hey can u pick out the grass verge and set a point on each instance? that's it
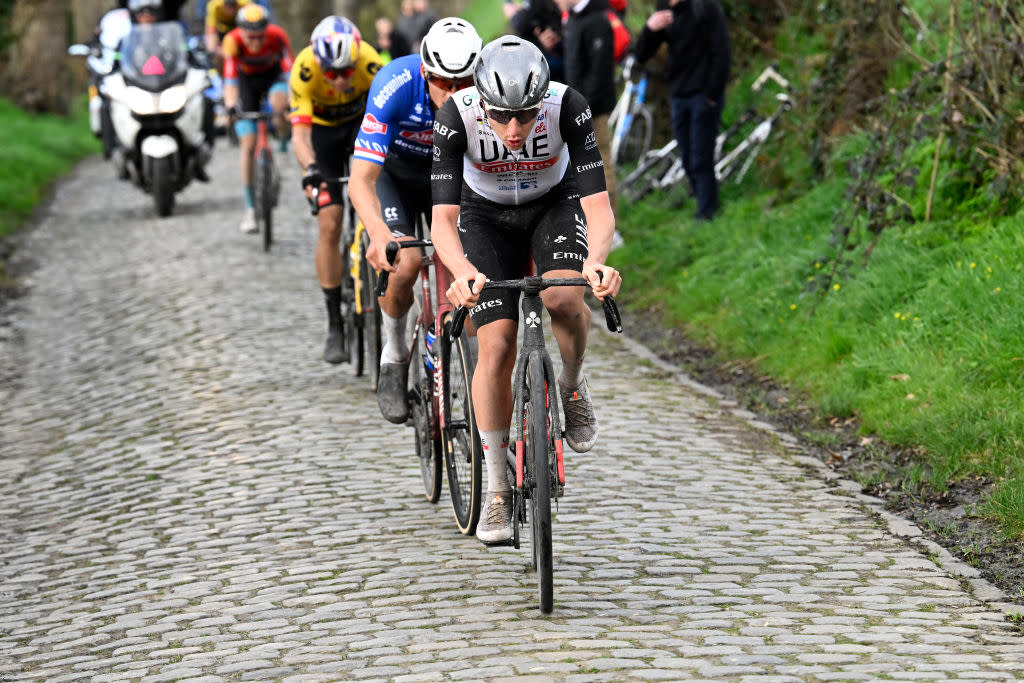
(35, 149)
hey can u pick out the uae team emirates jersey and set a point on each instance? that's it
(561, 141)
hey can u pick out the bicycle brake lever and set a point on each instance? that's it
(458, 320)
(611, 315)
(390, 252)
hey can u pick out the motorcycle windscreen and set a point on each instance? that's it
(155, 56)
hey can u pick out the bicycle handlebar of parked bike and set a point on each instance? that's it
(534, 285)
(391, 252)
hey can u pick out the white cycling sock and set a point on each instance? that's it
(395, 349)
(495, 445)
(571, 374)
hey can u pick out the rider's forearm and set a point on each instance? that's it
(600, 226)
(445, 236)
(211, 42)
(367, 206)
(230, 96)
(302, 143)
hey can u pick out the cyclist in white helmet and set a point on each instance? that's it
(518, 175)
(390, 181)
(329, 83)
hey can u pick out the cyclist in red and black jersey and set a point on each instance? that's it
(517, 174)
(257, 63)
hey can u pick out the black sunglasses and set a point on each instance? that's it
(504, 116)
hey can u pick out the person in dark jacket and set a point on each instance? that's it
(697, 68)
(540, 22)
(588, 47)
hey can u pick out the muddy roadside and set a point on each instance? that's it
(948, 517)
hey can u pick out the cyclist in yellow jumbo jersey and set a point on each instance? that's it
(329, 83)
(220, 20)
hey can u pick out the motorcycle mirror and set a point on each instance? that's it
(79, 50)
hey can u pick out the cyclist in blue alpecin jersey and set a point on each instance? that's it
(390, 178)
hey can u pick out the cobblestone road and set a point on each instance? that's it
(189, 493)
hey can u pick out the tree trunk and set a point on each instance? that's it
(36, 77)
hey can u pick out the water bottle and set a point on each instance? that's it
(429, 359)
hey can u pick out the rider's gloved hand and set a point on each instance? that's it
(465, 291)
(312, 177)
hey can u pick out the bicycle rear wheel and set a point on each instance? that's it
(371, 312)
(265, 205)
(537, 479)
(460, 439)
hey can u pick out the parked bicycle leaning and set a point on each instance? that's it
(511, 140)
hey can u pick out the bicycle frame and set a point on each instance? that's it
(428, 319)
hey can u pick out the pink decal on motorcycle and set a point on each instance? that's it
(153, 67)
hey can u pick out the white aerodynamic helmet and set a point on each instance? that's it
(450, 48)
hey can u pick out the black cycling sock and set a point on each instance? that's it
(332, 297)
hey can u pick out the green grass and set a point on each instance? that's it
(34, 150)
(923, 344)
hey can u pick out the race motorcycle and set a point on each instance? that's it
(156, 111)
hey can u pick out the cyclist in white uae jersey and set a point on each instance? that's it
(517, 174)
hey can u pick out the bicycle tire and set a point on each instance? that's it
(637, 140)
(535, 444)
(353, 327)
(372, 320)
(460, 439)
(266, 191)
(428, 449)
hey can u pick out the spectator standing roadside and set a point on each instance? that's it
(540, 22)
(589, 50)
(390, 43)
(406, 22)
(697, 69)
(423, 19)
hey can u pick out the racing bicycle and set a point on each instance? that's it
(266, 179)
(537, 470)
(441, 369)
(360, 312)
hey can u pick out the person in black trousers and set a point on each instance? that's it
(697, 68)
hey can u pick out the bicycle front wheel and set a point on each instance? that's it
(460, 439)
(637, 141)
(537, 478)
(266, 193)
(371, 312)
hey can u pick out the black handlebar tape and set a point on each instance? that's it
(458, 320)
(390, 252)
(611, 314)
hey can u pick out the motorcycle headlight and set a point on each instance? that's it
(140, 101)
(173, 99)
